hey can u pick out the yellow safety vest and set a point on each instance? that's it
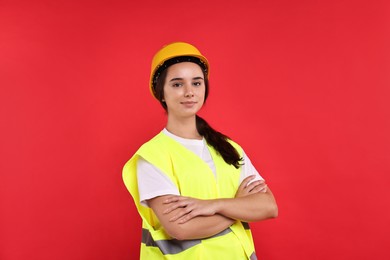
(193, 178)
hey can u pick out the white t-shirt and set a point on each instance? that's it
(153, 183)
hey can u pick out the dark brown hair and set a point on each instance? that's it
(216, 139)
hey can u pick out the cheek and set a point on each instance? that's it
(171, 94)
(167, 94)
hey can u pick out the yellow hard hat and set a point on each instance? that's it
(173, 53)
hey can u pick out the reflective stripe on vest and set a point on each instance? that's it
(193, 178)
(174, 246)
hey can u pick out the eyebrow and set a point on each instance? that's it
(196, 78)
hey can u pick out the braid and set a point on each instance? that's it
(219, 142)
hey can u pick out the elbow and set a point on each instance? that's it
(273, 211)
(272, 208)
(178, 233)
(173, 233)
(269, 212)
(178, 236)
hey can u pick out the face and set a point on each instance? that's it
(184, 89)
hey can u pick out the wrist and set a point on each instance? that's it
(219, 205)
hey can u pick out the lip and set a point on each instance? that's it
(188, 104)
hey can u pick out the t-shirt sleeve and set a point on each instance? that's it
(152, 182)
(248, 169)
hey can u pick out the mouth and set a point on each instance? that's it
(188, 102)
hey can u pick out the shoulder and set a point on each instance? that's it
(156, 144)
(149, 151)
(158, 151)
(146, 148)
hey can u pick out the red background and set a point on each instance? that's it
(303, 86)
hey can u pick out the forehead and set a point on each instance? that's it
(183, 69)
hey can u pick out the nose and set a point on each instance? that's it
(189, 92)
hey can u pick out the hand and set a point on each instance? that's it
(188, 208)
(246, 188)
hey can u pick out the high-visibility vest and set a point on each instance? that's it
(193, 178)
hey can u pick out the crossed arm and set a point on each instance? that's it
(190, 218)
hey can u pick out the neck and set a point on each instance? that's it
(185, 127)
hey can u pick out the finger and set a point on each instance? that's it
(190, 215)
(245, 182)
(186, 218)
(259, 188)
(254, 184)
(171, 199)
(180, 214)
(251, 185)
(248, 179)
(176, 205)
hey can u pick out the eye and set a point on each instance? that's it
(197, 83)
(177, 84)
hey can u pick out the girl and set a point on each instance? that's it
(194, 188)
